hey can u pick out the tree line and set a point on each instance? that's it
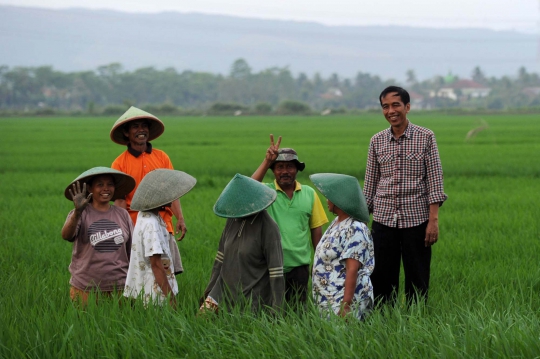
(110, 88)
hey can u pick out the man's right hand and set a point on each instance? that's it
(273, 150)
(271, 155)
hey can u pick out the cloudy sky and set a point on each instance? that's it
(520, 15)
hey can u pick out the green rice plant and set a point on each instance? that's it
(485, 280)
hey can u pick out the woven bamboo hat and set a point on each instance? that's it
(343, 191)
(160, 187)
(133, 113)
(243, 196)
(123, 183)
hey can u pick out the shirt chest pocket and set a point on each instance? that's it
(415, 162)
(386, 163)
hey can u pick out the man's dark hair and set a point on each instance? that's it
(402, 93)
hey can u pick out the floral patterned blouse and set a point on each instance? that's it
(348, 239)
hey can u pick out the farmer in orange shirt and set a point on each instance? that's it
(134, 129)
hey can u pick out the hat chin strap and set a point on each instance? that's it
(244, 222)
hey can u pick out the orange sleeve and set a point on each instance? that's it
(116, 164)
(167, 161)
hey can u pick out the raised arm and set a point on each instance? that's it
(80, 201)
(271, 155)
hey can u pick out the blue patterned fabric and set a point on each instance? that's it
(348, 239)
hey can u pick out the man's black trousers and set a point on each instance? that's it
(392, 244)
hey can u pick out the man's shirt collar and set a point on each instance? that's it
(298, 186)
(407, 134)
(136, 153)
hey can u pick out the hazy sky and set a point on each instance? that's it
(520, 15)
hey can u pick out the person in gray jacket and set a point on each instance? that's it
(248, 268)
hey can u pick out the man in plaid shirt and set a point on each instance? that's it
(404, 190)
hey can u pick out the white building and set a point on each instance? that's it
(462, 88)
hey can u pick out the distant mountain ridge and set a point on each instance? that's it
(80, 39)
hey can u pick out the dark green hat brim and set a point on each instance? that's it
(289, 155)
(299, 165)
(133, 113)
(123, 183)
(242, 197)
(344, 191)
(160, 187)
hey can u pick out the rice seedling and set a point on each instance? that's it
(485, 280)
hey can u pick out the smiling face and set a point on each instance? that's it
(102, 189)
(137, 132)
(285, 173)
(395, 111)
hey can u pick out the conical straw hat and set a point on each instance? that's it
(160, 187)
(242, 197)
(123, 183)
(344, 191)
(134, 113)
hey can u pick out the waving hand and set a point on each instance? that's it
(79, 197)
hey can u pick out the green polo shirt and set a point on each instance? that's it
(295, 218)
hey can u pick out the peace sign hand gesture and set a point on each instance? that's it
(272, 151)
(269, 158)
(79, 197)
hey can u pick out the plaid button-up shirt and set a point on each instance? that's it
(403, 177)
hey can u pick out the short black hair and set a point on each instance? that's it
(402, 93)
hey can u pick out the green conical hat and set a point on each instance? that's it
(123, 183)
(343, 191)
(160, 187)
(242, 197)
(134, 113)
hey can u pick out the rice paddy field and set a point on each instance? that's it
(485, 282)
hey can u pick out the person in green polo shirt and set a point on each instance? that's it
(299, 214)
